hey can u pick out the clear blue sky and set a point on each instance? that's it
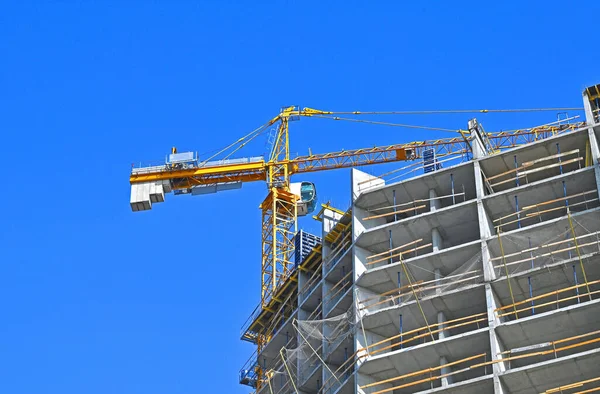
(96, 299)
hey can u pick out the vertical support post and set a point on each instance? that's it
(512, 297)
(394, 196)
(320, 305)
(569, 243)
(529, 281)
(346, 359)
(401, 331)
(577, 288)
(565, 193)
(587, 286)
(452, 183)
(517, 211)
(399, 288)
(531, 295)
(391, 247)
(516, 171)
(559, 158)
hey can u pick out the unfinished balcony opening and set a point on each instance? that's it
(529, 205)
(338, 381)
(438, 190)
(440, 271)
(559, 269)
(309, 278)
(558, 347)
(435, 370)
(552, 375)
(417, 322)
(338, 242)
(418, 236)
(546, 244)
(549, 158)
(338, 295)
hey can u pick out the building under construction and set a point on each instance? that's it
(477, 277)
(481, 277)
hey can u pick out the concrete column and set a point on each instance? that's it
(489, 274)
(448, 379)
(357, 186)
(303, 279)
(434, 203)
(330, 219)
(486, 228)
(359, 261)
(594, 146)
(479, 187)
(496, 348)
(441, 317)
(438, 276)
(491, 303)
(589, 115)
(495, 344)
(476, 142)
(498, 386)
(589, 118)
(436, 240)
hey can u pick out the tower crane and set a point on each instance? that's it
(185, 173)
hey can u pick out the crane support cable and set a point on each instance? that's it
(408, 126)
(251, 135)
(259, 132)
(312, 112)
(557, 122)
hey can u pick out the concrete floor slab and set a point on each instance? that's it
(481, 385)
